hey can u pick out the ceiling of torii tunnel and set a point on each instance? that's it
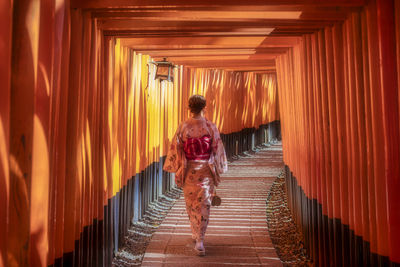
(232, 35)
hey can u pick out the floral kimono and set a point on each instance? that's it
(197, 156)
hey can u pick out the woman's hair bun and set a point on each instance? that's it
(197, 103)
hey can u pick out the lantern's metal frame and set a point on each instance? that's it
(164, 63)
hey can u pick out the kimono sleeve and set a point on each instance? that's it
(218, 149)
(174, 159)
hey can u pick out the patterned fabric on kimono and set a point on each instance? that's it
(197, 155)
(198, 189)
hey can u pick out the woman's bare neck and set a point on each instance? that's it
(197, 116)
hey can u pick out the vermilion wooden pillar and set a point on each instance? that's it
(397, 18)
(73, 193)
(25, 40)
(390, 101)
(40, 181)
(59, 135)
(5, 72)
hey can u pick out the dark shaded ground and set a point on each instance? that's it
(283, 231)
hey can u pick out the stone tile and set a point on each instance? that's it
(271, 263)
(152, 263)
(228, 240)
(153, 258)
(181, 240)
(156, 247)
(158, 237)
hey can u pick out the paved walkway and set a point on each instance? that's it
(237, 234)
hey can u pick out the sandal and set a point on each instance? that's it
(199, 252)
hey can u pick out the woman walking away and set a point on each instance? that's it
(197, 156)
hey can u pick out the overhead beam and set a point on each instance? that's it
(187, 33)
(211, 3)
(184, 56)
(138, 26)
(206, 15)
(104, 12)
(208, 42)
(228, 63)
(211, 51)
(200, 58)
(246, 69)
(224, 15)
(175, 54)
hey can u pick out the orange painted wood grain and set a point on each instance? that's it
(349, 86)
(5, 75)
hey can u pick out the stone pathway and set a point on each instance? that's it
(237, 234)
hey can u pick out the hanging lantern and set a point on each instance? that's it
(165, 70)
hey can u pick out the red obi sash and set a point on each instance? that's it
(198, 148)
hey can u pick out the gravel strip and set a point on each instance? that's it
(286, 237)
(139, 233)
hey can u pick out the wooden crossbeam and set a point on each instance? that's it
(180, 3)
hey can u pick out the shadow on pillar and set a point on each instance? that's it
(249, 138)
(329, 242)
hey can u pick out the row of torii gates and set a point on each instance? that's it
(84, 126)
